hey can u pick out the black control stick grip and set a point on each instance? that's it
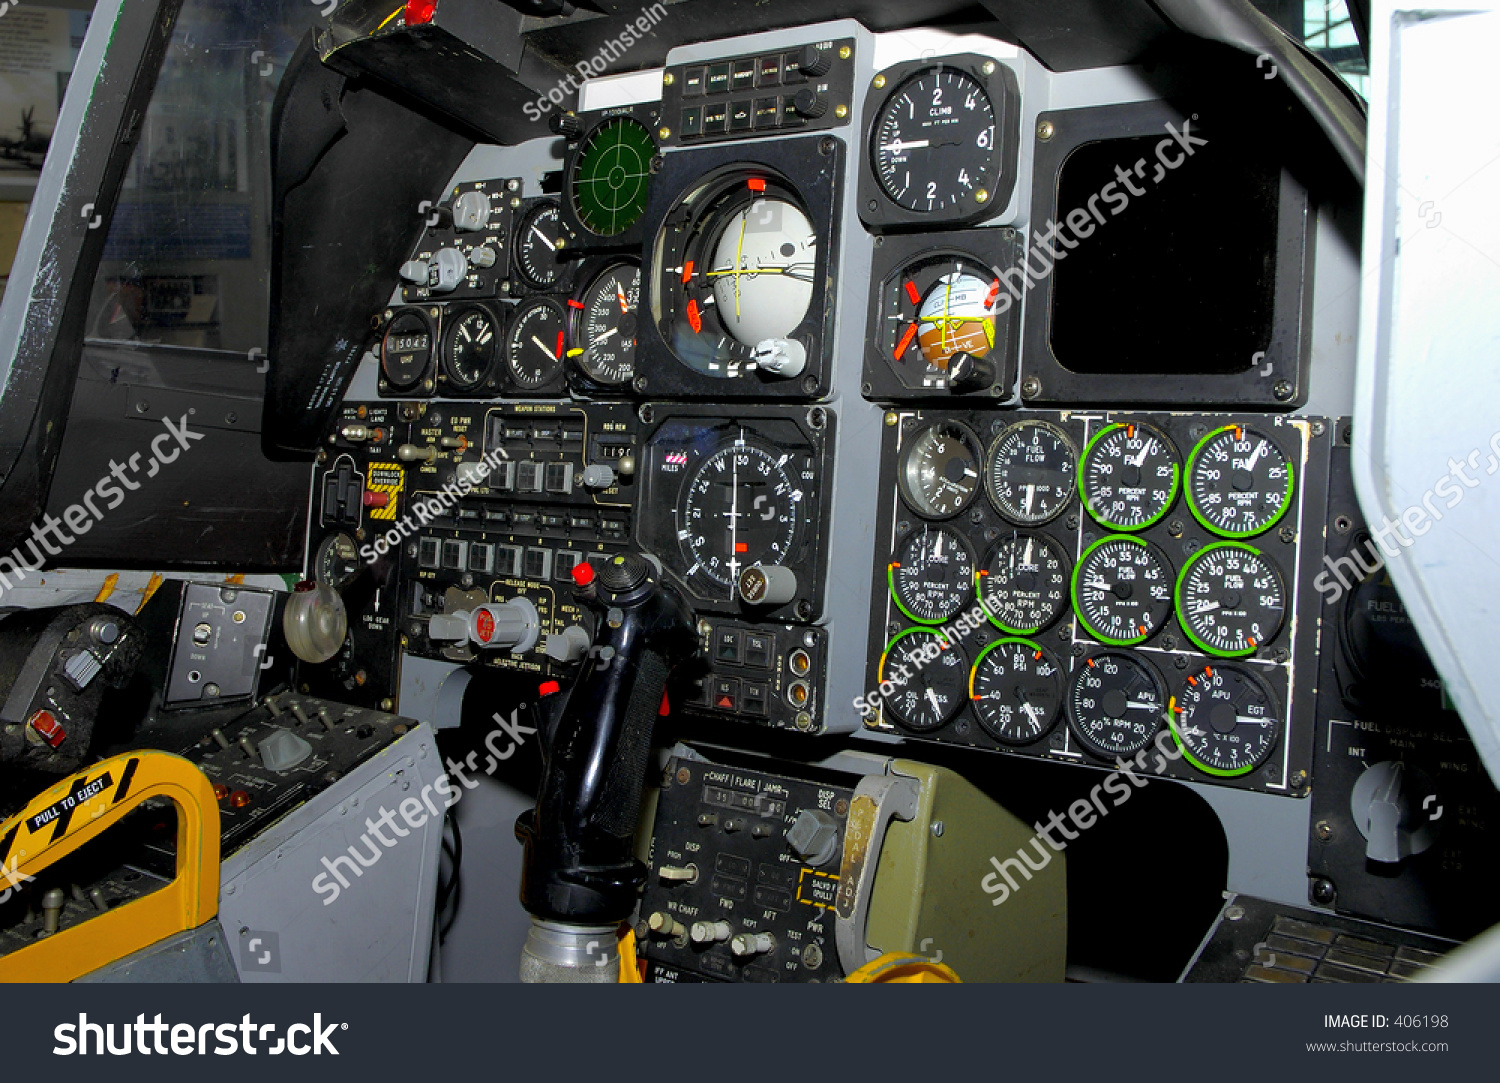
(579, 865)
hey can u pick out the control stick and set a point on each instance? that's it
(580, 875)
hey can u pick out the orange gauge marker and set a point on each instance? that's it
(911, 291)
(756, 184)
(911, 333)
(695, 318)
(687, 272)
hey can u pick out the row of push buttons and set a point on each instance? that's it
(741, 115)
(747, 73)
(501, 560)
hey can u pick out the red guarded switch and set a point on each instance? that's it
(372, 499)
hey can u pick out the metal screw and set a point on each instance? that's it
(231, 418)
(988, 67)
(1234, 913)
(1281, 655)
(982, 196)
(841, 111)
(1045, 130)
(1180, 662)
(1318, 428)
(1169, 642)
(668, 79)
(387, 706)
(845, 53)
(684, 776)
(1288, 534)
(879, 81)
(664, 133)
(1323, 891)
(1283, 390)
(1298, 779)
(1343, 524)
(1324, 830)
(1031, 387)
(937, 829)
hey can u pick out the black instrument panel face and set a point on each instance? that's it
(1050, 592)
(941, 143)
(732, 492)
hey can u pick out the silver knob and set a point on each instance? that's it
(471, 212)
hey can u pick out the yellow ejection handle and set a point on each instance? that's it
(81, 808)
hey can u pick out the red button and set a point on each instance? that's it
(376, 500)
(583, 573)
(549, 688)
(484, 626)
(48, 728)
(666, 708)
(420, 12)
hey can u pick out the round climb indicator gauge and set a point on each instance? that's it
(933, 144)
(611, 176)
(1225, 720)
(1231, 599)
(1129, 476)
(1239, 482)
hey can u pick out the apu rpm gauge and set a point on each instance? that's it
(1115, 704)
(1122, 590)
(933, 146)
(937, 685)
(938, 306)
(1016, 691)
(1225, 720)
(1231, 599)
(932, 576)
(605, 324)
(742, 506)
(1239, 482)
(1129, 476)
(733, 269)
(1030, 471)
(939, 470)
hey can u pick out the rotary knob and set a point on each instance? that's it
(767, 584)
(813, 61)
(566, 125)
(809, 103)
(813, 837)
(969, 373)
(471, 212)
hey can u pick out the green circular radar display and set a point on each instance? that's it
(612, 176)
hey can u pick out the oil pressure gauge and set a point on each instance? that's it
(1239, 482)
(1016, 690)
(1225, 720)
(936, 689)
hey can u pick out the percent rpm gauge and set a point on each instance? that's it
(1122, 590)
(1115, 704)
(1231, 599)
(1239, 482)
(1016, 691)
(939, 471)
(937, 682)
(936, 308)
(1225, 720)
(1129, 476)
(932, 576)
(1030, 472)
(933, 144)
(1024, 587)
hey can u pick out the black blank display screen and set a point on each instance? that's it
(1181, 280)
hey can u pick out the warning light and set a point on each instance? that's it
(420, 12)
(239, 799)
(46, 726)
(666, 706)
(756, 184)
(221, 791)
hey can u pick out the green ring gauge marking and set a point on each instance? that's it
(1230, 490)
(612, 176)
(1127, 580)
(1237, 611)
(1225, 720)
(935, 572)
(1108, 461)
(936, 693)
(1016, 691)
(1026, 580)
